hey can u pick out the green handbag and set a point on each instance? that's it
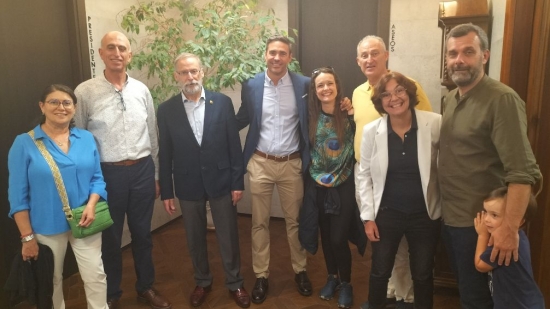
(101, 222)
(102, 218)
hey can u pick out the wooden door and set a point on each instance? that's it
(40, 46)
(328, 32)
(526, 68)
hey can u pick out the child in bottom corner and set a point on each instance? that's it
(511, 286)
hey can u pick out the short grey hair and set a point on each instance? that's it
(464, 29)
(371, 37)
(185, 56)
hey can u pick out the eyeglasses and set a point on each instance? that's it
(399, 92)
(56, 103)
(121, 100)
(193, 72)
(321, 69)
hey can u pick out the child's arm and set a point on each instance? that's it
(482, 241)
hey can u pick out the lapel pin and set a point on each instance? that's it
(211, 102)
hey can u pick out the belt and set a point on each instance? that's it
(291, 156)
(125, 162)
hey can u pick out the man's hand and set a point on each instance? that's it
(157, 189)
(346, 105)
(505, 242)
(371, 229)
(169, 206)
(480, 226)
(236, 196)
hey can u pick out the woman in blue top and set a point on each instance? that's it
(34, 200)
(331, 135)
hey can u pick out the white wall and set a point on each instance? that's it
(415, 44)
(497, 37)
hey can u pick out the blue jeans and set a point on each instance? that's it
(472, 285)
(422, 234)
(130, 193)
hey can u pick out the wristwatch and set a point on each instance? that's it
(27, 238)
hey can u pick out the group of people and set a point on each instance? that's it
(381, 167)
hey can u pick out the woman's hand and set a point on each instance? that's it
(30, 250)
(372, 231)
(88, 215)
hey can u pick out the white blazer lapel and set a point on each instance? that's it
(424, 145)
(381, 147)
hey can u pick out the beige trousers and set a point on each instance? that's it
(264, 174)
(88, 256)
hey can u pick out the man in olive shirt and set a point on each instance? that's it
(372, 58)
(484, 146)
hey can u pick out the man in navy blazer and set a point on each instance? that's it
(200, 156)
(276, 152)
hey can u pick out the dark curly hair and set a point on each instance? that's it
(401, 80)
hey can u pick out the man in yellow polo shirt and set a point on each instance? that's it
(372, 58)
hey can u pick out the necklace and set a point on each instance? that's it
(60, 143)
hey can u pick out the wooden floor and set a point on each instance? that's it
(174, 274)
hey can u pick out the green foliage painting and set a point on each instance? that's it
(229, 38)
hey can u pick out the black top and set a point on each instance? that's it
(403, 188)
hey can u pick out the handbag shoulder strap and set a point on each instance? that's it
(56, 175)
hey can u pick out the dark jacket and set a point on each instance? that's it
(215, 167)
(32, 280)
(308, 233)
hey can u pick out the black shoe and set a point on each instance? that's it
(259, 293)
(304, 285)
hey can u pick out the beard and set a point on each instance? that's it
(463, 75)
(192, 88)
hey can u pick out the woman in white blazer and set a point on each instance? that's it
(397, 188)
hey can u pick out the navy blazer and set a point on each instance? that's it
(215, 167)
(252, 95)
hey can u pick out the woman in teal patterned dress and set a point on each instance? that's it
(331, 133)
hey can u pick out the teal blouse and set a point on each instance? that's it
(331, 163)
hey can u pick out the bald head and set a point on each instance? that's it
(115, 36)
(115, 51)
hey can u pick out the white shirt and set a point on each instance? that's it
(279, 131)
(123, 122)
(195, 114)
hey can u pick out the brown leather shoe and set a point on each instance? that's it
(112, 303)
(241, 297)
(199, 295)
(153, 298)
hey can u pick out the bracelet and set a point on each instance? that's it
(27, 238)
(25, 235)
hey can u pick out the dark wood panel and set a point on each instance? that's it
(327, 39)
(526, 68)
(38, 42)
(538, 114)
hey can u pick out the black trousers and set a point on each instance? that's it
(335, 230)
(131, 194)
(422, 234)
